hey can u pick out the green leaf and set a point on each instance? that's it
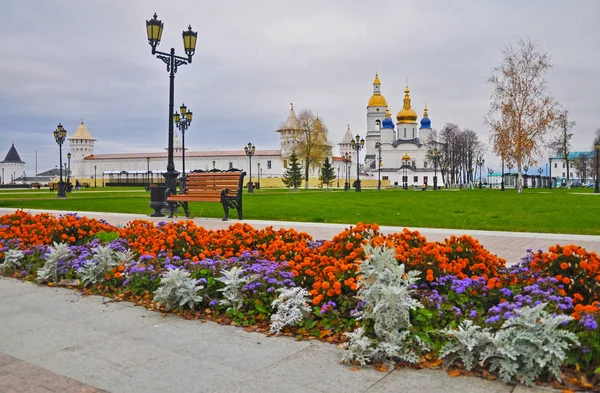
(260, 307)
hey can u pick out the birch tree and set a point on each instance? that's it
(521, 110)
(310, 142)
(561, 144)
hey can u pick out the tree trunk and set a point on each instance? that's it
(568, 183)
(306, 175)
(519, 180)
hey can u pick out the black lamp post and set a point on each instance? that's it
(357, 144)
(502, 182)
(435, 155)
(540, 170)
(347, 159)
(550, 179)
(258, 182)
(526, 169)
(214, 163)
(490, 171)
(378, 147)
(95, 177)
(154, 29)
(250, 150)
(480, 162)
(183, 122)
(147, 173)
(69, 172)
(60, 134)
(405, 164)
(596, 186)
(338, 177)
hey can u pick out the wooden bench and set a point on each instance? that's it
(85, 185)
(35, 185)
(211, 186)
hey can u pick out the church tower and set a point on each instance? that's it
(81, 144)
(406, 128)
(425, 129)
(388, 135)
(12, 166)
(346, 144)
(375, 115)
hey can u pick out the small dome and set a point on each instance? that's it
(387, 123)
(406, 157)
(82, 133)
(407, 116)
(377, 100)
(425, 123)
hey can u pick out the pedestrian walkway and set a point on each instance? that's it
(56, 340)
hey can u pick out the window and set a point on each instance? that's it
(416, 179)
(563, 175)
(571, 175)
(414, 164)
(414, 130)
(284, 163)
(385, 178)
(563, 164)
(405, 132)
(555, 165)
(230, 165)
(425, 164)
(377, 125)
(425, 179)
(269, 164)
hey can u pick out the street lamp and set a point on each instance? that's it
(540, 170)
(526, 169)
(435, 155)
(69, 172)
(147, 173)
(60, 134)
(347, 159)
(480, 162)
(357, 144)
(490, 171)
(550, 177)
(250, 150)
(183, 122)
(338, 177)
(378, 147)
(154, 29)
(596, 187)
(405, 164)
(258, 182)
(214, 163)
(95, 177)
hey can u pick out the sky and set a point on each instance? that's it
(67, 60)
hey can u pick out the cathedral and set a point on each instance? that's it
(401, 149)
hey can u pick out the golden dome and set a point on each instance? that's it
(377, 100)
(388, 114)
(376, 81)
(405, 157)
(407, 115)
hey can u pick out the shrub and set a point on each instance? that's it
(177, 289)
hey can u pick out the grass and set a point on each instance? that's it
(536, 210)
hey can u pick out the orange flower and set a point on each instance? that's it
(564, 266)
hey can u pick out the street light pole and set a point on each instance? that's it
(435, 156)
(250, 150)
(183, 122)
(95, 177)
(405, 163)
(69, 172)
(154, 29)
(550, 179)
(480, 162)
(357, 144)
(596, 186)
(490, 171)
(147, 173)
(378, 147)
(60, 134)
(258, 182)
(214, 163)
(347, 159)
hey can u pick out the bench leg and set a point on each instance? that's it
(172, 206)
(226, 210)
(186, 209)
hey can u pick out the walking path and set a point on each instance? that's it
(56, 340)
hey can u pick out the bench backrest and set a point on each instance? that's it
(211, 183)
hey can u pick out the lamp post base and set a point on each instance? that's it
(250, 188)
(435, 187)
(346, 186)
(61, 190)
(357, 185)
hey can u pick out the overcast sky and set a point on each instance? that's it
(69, 59)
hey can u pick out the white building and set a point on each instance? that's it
(12, 166)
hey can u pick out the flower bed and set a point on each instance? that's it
(427, 300)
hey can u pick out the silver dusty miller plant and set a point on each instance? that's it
(292, 306)
(530, 344)
(177, 289)
(386, 294)
(12, 260)
(104, 259)
(466, 343)
(58, 252)
(234, 281)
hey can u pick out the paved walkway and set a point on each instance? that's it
(55, 340)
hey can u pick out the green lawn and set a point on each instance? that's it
(536, 210)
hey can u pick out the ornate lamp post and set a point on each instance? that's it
(480, 162)
(69, 172)
(378, 147)
(405, 164)
(490, 171)
(338, 177)
(258, 182)
(526, 169)
(435, 155)
(550, 179)
(250, 150)
(95, 177)
(347, 159)
(183, 122)
(60, 134)
(154, 29)
(214, 163)
(148, 173)
(540, 170)
(357, 144)
(596, 186)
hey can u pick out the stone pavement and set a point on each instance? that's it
(56, 340)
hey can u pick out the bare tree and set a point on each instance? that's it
(310, 142)
(583, 165)
(521, 111)
(561, 144)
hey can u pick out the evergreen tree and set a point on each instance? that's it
(293, 174)
(327, 173)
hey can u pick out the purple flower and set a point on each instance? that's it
(473, 314)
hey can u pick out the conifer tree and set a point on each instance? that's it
(293, 174)
(327, 173)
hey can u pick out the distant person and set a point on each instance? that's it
(77, 185)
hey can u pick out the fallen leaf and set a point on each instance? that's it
(354, 368)
(567, 391)
(454, 373)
